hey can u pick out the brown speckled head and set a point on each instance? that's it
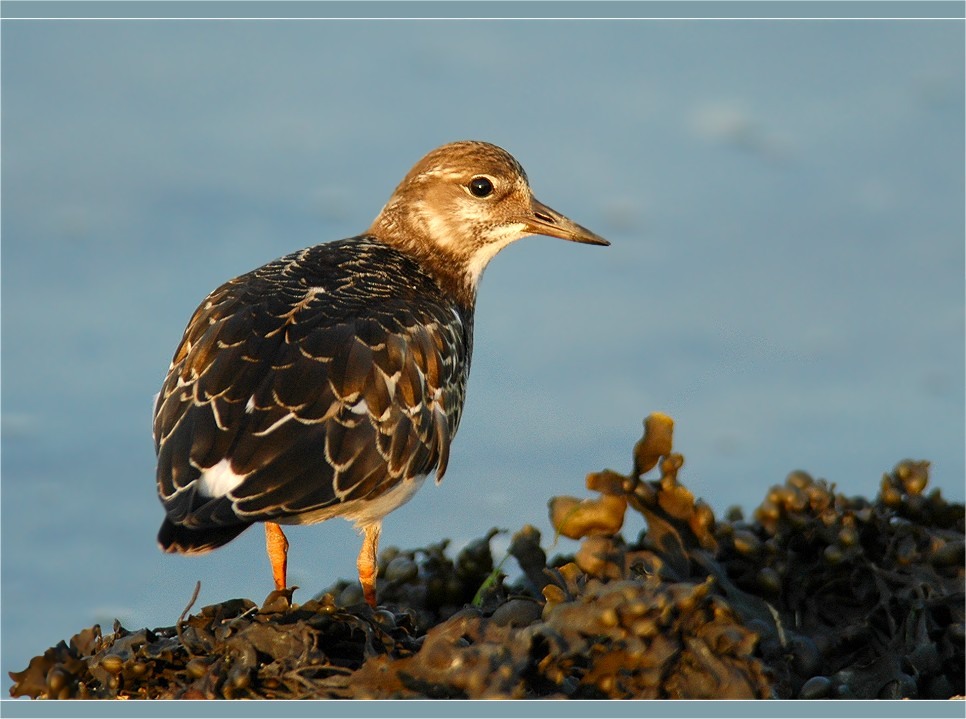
(463, 203)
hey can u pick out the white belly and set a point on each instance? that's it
(363, 512)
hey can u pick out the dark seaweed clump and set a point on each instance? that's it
(817, 595)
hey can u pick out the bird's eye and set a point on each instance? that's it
(481, 187)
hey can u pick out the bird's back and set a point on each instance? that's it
(330, 375)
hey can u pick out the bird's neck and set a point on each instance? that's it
(446, 261)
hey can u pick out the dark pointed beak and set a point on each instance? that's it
(549, 222)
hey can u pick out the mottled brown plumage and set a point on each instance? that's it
(330, 382)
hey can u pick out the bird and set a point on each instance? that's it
(330, 382)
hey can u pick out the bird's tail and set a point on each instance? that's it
(184, 540)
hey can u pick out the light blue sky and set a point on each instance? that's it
(784, 199)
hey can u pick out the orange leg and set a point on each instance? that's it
(367, 563)
(277, 546)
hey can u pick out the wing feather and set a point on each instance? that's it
(318, 385)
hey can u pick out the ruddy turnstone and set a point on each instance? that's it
(330, 382)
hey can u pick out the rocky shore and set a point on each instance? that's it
(816, 595)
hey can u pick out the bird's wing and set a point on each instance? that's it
(276, 404)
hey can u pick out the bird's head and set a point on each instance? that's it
(464, 202)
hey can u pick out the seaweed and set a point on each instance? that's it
(817, 595)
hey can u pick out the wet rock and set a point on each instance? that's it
(517, 613)
(817, 687)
